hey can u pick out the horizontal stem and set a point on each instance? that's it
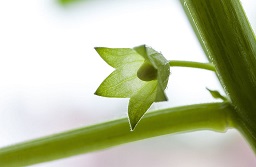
(211, 116)
(178, 63)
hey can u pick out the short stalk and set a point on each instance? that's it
(191, 64)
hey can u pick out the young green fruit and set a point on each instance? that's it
(147, 72)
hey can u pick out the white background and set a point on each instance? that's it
(49, 72)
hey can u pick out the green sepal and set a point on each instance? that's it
(140, 102)
(117, 57)
(140, 74)
(161, 64)
(216, 94)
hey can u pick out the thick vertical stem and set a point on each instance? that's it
(229, 42)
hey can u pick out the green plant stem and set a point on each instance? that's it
(211, 116)
(178, 63)
(229, 42)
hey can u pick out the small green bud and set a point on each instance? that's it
(147, 72)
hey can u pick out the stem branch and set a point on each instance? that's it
(211, 116)
(178, 63)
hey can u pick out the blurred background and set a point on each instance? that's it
(49, 71)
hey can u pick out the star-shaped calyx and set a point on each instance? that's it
(141, 74)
